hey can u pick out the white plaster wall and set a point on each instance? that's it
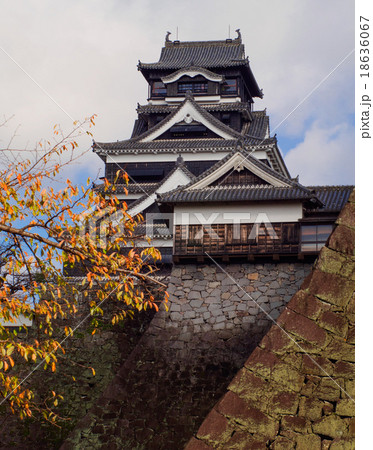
(195, 214)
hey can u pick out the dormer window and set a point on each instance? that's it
(158, 89)
(194, 86)
(229, 87)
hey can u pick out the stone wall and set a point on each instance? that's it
(188, 355)
(296, 390)
(222, 312)
(74, 379)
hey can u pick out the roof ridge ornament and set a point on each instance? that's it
(239, 36)
(168, 36)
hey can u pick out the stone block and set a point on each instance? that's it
(253, 276)
(196, 444)
(339, 349)
(344, 369)
(331, 288)
(221, 319)
(296, 423)
(174, 307)
(212, 300)
(229, 308)
(176, 316)
(254, 420)
(216, 312)
(215, 428)
(303, 327)
(310, 408)
(329, 389)
(342, 444)
(317, 365)
(176, 272)
(197, 321)
(196, 303)
(308, 442)
(275, 313)
(194, 295)
(243, 440)
(333, 322)
(332, 426)
(248, 319)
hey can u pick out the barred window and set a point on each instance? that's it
(229, 86)
(195, 87)
(158, 89)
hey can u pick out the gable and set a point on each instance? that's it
(237, 163)
(189, 113)
(240, 177)
(183, 130)
(192, 72)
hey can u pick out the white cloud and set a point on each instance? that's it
(324, 157)
(84, 54)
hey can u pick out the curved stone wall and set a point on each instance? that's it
(188, 355)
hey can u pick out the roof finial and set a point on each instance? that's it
(168, 36)
(238, 34)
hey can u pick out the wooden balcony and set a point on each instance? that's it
(244, 240)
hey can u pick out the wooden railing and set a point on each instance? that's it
(243, 239)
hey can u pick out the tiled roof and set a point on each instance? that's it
(333, 197)
(162, 109)
(178, 166)
(154, 230)
(258, 127)
(139, 127)
(209, 117)
(207, 54)
(235, 194)
(246, 154)
(132, 188)
(293, 191)
(176, 145)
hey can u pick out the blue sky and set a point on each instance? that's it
(83, 55)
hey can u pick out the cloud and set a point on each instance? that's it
(325, 156)
(85, 53)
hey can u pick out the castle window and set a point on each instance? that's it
(314, 237)
(229, 86)
(158, 89)
(195, 87)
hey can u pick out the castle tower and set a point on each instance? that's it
(204, 169)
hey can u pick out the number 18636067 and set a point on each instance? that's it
(364, 47)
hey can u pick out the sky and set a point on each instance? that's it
(63, 61)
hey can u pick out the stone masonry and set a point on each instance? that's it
(188, 355)
(296, 390)
(227, 307)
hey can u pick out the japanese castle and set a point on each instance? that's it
(204, 170)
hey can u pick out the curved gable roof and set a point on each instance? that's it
(192, 72)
